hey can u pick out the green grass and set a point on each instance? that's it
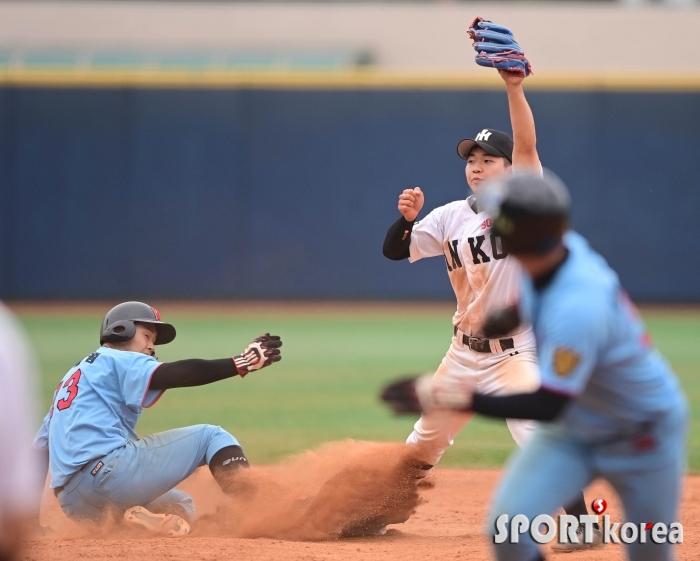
(326, 386)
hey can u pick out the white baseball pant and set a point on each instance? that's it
(498, 373)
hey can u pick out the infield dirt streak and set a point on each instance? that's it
(448, 526)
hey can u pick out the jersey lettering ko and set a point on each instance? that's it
(95, 409)
(484, 278)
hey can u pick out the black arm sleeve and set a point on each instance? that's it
(192, 372)
(398, 240)
(538, 406)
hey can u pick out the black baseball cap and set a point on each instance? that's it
(495, 142)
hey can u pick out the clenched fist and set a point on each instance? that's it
(410, 203)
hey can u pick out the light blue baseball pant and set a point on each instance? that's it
(552, 469)
(143, 472)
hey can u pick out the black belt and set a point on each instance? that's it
(481, 345)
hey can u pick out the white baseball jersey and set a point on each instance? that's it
(19, 473)
(484, 278)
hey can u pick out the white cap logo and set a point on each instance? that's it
(483, 135)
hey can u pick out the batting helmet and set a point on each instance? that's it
(530, 212)
(119, 324)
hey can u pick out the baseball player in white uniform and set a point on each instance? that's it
(483, 276)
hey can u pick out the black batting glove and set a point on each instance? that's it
(262, 352)
(401, 396)
(427, 393)
(501, 323)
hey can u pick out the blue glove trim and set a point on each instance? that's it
(495, 27)
(493, 37)
(496, 48)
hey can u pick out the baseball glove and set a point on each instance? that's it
(496, 47)
(501, 322)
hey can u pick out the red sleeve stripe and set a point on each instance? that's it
(148, 387)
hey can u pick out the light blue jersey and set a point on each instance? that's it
(625, 421)
(592, 346)
(95, 409)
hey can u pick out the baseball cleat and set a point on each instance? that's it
(163, 524)
(570, 547)
(361, 530)
(373, 526)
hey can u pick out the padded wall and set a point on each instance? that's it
(287, 193)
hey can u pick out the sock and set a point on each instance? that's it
(224, 466)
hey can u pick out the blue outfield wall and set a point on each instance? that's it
(287, 193)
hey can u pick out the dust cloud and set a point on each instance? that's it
(342, 489)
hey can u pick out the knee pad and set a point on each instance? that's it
(229, 458)
(225, 465)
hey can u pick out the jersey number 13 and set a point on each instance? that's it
(71, 384)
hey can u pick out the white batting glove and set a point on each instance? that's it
(262, 352)
(444, 393)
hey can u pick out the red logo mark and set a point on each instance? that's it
(155, 313)
(644, 443)
(486, 224)
(648, 526)
(599, 506)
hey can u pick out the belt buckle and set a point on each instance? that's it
(479, 344)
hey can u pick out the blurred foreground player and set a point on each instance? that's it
(97, 462)
(615, 407)
(19, 473)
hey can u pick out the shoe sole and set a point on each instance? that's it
(163, 524)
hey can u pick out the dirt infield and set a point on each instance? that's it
(447, 525)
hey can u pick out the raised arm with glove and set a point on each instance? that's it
(496, 47)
